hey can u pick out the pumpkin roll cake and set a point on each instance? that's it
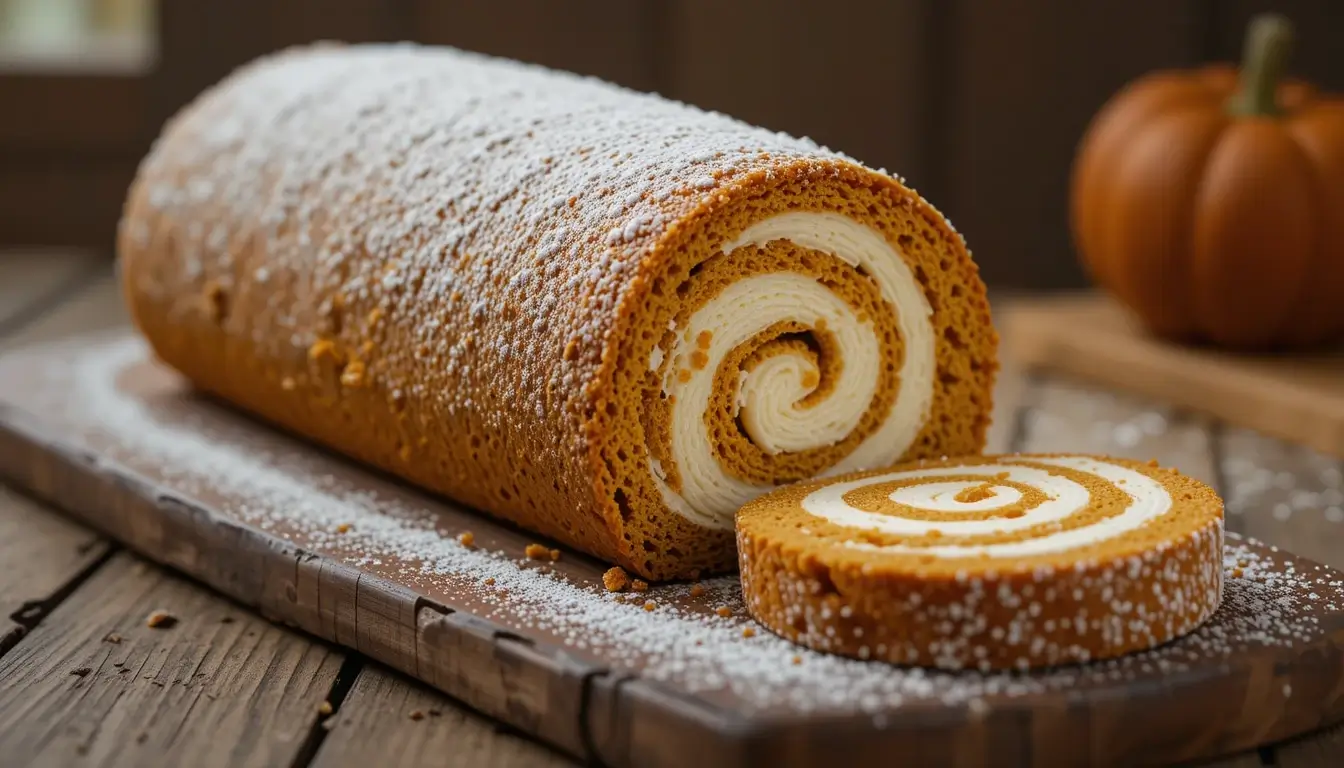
(993, 562)
(601, 315)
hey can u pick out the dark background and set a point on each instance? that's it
(978, 103)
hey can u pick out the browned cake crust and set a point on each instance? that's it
(485, 278)
(1015, 561)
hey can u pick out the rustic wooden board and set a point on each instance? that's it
(42, 558)
(1298, 398)
(99, 430)
(94, 684)
(389, 720)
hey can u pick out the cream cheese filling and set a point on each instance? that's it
(769, 395)
(1149, 500)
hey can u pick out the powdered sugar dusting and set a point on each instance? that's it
(105, 397)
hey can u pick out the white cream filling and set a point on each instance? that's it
(943, 496)
(1148, 500)
(769, 395)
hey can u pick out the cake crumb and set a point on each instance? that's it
(113, 638)
(160, 619)
(489, 581)
(324, 348)
(615, 579)
(724, 611)
(974, 493)
(466, 539)
(748, 632)
(343, 528)
(324, 708)
(639, 585)
(353, 375)
(537, 552)
(697, 590)
(417, 715)
(649, 605)
(797, 660)
(554, 554)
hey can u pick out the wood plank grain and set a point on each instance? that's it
(1298, 397)
(611, 39)
(42, 557)
(94, 685)
(1285, 494)
(388, 719)
(31, 279)
(856, 78)
(1023, 79)
(95, 305)
(201, 42)
(529, 684)
(40, 116)
(74, 203)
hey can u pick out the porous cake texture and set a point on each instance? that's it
(602, 315)
(995, 562)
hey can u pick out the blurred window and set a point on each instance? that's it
(114, 36)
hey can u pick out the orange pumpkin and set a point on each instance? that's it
(1211, 202)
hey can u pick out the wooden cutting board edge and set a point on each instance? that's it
(1080, 336)
(589, 711)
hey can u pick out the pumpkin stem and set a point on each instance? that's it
(1269, 39)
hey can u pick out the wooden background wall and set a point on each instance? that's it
(979, 103)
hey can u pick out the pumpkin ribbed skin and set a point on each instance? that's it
(1215, 227)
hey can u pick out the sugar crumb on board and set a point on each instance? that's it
(284, 488)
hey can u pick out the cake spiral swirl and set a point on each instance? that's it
(604, 316)
(778, 396)
(1010, 561)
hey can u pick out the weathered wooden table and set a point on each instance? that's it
(84, 680)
